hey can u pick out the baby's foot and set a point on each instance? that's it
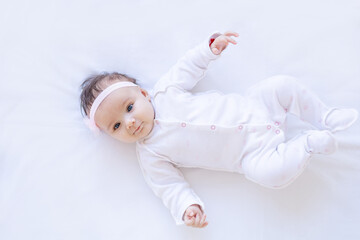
(320, 142)
(340, 119)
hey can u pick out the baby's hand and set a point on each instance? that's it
(194, 217)
(222, 41)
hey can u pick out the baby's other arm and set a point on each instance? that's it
(190, 69)
(194, 217)
(168, 183)
(219, 44)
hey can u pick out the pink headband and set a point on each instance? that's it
(90, 122)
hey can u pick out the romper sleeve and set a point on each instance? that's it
(190, 69)
(168, 183)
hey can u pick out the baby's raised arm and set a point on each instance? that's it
(191, 68)
(168, 183)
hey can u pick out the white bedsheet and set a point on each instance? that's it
(58, 181)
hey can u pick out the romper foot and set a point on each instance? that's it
(320, 142)
(338, 119)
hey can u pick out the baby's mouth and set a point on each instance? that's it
(137, 129)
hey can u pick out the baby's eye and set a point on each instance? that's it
(129, 107)
(116, 126)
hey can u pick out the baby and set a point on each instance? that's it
(175, 128)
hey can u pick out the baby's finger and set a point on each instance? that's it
(191, 214)
(229, 39)
(203, 219)
(231, 34)
(197, 220)
(205, 224)
(189, 221)
(215, 50)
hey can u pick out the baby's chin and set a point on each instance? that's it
(132, 140)
(129, 141)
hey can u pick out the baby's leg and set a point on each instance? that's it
(279, 167)
(283, 94)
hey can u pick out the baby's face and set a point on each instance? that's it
(126, 114)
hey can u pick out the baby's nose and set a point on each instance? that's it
(130, 123)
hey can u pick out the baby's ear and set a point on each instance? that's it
(145, 93)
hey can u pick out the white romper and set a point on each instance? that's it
(230, 132)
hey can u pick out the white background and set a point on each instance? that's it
(58, 181)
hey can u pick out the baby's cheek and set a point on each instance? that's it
(116, 136)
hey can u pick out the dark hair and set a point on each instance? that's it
(94, 85)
